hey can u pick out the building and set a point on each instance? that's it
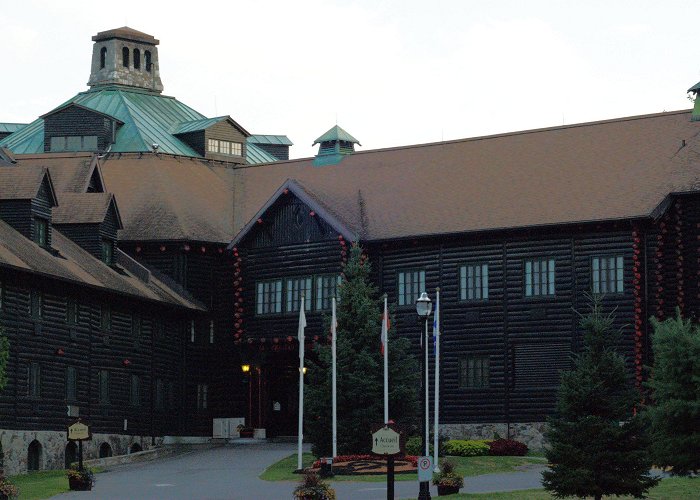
(514, 228)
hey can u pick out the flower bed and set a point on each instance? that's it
(346, 465)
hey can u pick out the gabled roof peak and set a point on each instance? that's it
(336, 133)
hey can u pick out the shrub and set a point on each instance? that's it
(413, 445)
(508, 448)
(8, 489)
(447, 476)
(312, 487)
(464, 448)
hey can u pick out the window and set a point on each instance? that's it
(192, 332)
(236, 148)
(202, 394)
(107, 251)
(73, 143)
(296, 289)
(135, 325)
(158, 328)
(103, 57)
(224, 147)
(103, 386)
(269, 297)
(411, 284)
(41, 231)
(211, 331)
(105, 317)
(125, 57)
(71, 311)
(213, 145)
(326, 289)
(474, 282)
(135, 391)
(160, 399)
(539, 277)
(147, 57)
(71, 384)
(607, 274)
(36, 304)
(137, 59)
(34, 380)
(474, 371)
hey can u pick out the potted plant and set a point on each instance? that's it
(80, 480)
(7, 489)
(245, 432)
(448, 482)
(313, 487)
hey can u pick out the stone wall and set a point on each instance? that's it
(15, 445)
(531, 433)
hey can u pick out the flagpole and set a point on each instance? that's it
(436, 336)
(335, 396)
(385, 339)
(300, 432)
(427, 394)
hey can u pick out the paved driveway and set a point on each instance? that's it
(231, 472)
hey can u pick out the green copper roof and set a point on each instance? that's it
(254, 155)
(695, 88)
(148, 118)
(281, 140)
(11, 127)
(336, 133)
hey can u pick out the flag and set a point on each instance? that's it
(385, 330)
(302, 322)
(436, 321)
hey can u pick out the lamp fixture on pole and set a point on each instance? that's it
(424, 307)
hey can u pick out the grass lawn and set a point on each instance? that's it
(467, 466)
(42, 484)
(668, 489)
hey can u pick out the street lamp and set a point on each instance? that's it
(245, 368)
(424, 307)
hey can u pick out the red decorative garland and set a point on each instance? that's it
(637, 290)
(660, 239)
(680, 294)
(238, 302)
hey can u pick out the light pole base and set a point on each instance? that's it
(424, 493)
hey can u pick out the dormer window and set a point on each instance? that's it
(137, 59)
(224, 147)
(41, 231)
(107, 251)
(103, 57)
(147, 57)
(125, 57)
(73, 143)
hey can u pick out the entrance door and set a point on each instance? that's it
(282, 384)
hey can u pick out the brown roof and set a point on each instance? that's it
(125, 33)
(21, 183)
(614, 169)
(82, 208)
(76, 265)
(70, 172)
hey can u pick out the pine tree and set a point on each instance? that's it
(674, 417)
(597, 444)
(359, 370)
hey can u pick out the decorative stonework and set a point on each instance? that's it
(530, 433)
(15, 445)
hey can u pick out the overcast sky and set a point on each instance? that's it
(390, 72)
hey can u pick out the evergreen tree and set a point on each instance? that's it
(360, 370)
(674, 417)
(597, 444)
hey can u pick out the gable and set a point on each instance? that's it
(111, 223)
(95, 184)
(289, 221)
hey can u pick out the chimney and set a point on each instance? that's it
(335, 144)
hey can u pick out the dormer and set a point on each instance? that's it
(219, 138)
(275, 145)
(76, 128)
(124, 56)
(91, 220)
(335, 144)
(27, 198)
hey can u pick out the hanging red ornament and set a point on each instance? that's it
(312, 213)
(260, 221)
(162, 248)
(138, 249)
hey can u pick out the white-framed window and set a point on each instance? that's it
(411, 284)
(193, 335)
(474, 371)
(211, 331)
(213, 145)
(296, 289)
(474, 282)
(326, 289)
(539, 277)
(268, 297)
(607, 274)
(236, 148)
(224, 147)
(202, 396)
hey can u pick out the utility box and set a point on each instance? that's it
(226, 428)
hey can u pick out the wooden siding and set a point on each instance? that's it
(18, 214)
(56, 345)
(279, 151)
(76, 121)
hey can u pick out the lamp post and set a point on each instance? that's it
(245, 368)
(424, 307)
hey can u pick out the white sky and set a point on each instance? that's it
(392, 72)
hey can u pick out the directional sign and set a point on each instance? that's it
(425, 469)
(78, 432)
(386, 442)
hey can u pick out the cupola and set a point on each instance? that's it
(124, 56)
(335, 144)
(695, 89)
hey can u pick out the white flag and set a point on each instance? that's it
(302, 322)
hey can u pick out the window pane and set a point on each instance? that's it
(528, 278)
(485, 281)
(551, 277)
(619, 278)
(470, 282)
(402, 289)
(74, 143)
(463, 283)
(57, 144)
(90, 143)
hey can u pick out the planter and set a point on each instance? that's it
(447, 490)
(79, 484)
(247, 433)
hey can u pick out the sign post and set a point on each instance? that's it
(388, 442)
(79, 432)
